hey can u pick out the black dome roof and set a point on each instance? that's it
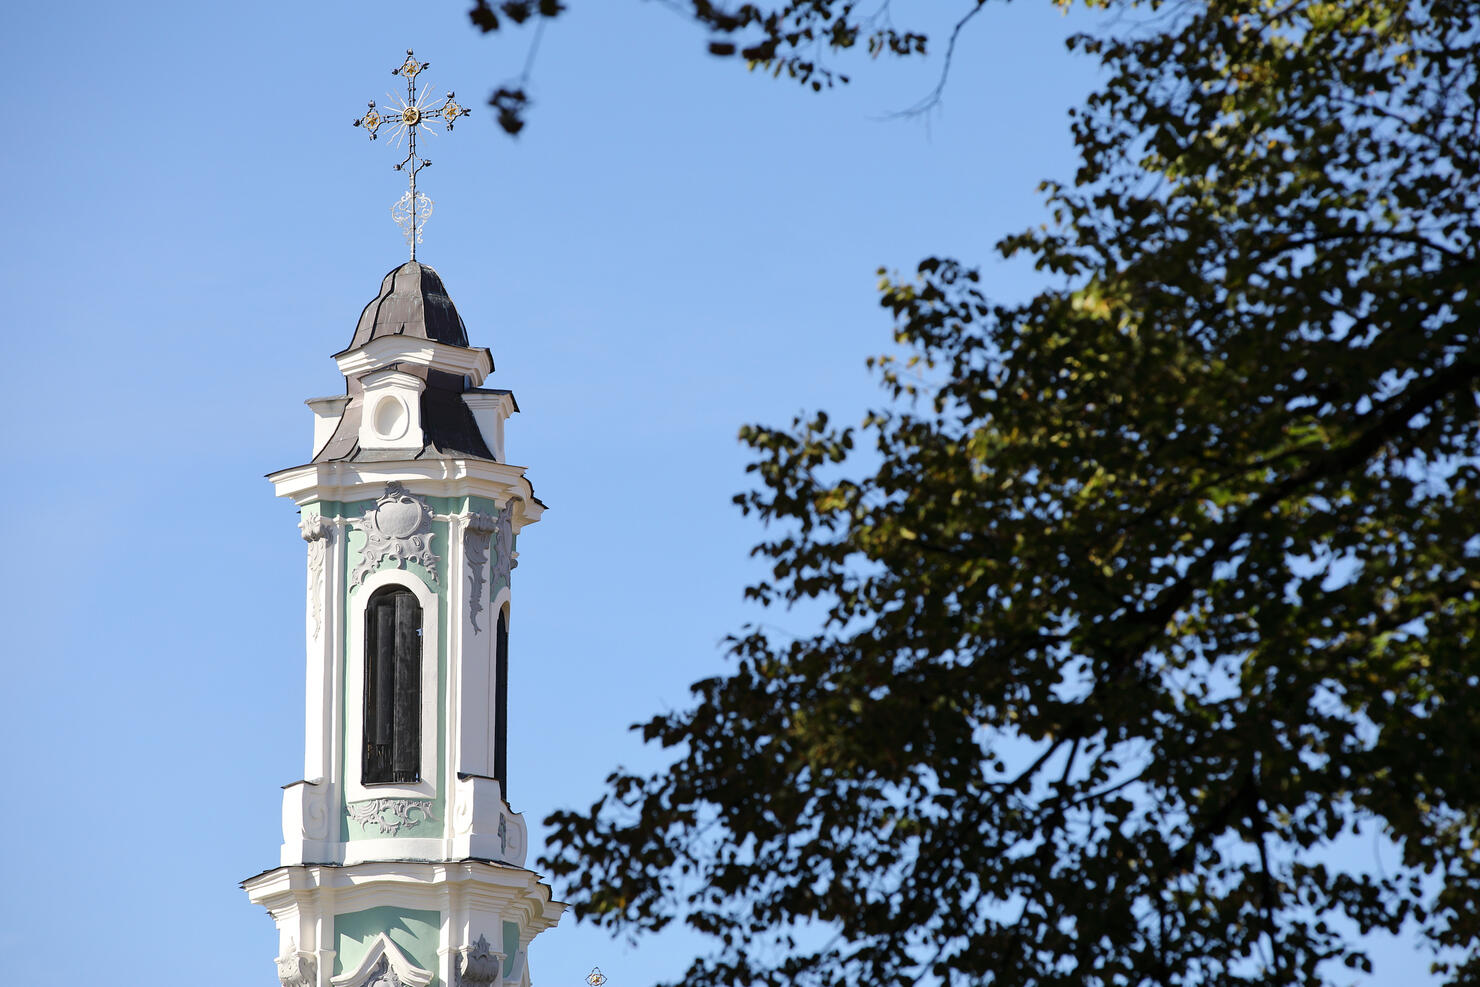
(412, 302)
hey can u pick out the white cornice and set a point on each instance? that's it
(474, 362)
(411, 884)
(503, 401)
(349, 481)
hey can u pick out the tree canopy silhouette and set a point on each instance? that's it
(1151, 591)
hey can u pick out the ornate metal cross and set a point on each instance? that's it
(405, 119)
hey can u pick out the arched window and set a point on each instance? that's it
(501, 704)
(392, 735)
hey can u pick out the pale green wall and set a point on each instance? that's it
(416, 932)
(353, 705)
(513, 960)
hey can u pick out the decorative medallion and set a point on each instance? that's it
(397, 529)
(297, 969)
(317, 532)
(475, 549)
(596, 978)
(478, 966)
(503, 542)
(389, 815)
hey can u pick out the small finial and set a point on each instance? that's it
(596, 978)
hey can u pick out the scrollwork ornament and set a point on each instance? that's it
(478, 965)
(388, 816)
(384, 975)
(503, 543)
(475, 550)
(317, 533)
(410, 213)
(316, 816)
(397, 529)
(296, 968)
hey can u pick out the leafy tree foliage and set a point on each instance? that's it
(1149, 594)
(784, 39)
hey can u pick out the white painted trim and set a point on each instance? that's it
(326, 415)
(354, 698)
(473, 669)
(500, 605)
(381, 945)
(490, 411)
(335, 609)
(457, 609)
(513, 892)
(346, 481)
(403, 392)
(472, 897)
(474, 362)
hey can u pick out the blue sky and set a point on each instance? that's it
(673, 248)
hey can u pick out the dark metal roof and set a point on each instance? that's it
(412, 302)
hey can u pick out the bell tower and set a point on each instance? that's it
(402, 862)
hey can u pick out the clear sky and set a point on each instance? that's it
(671, 249)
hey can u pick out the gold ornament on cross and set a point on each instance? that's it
(408, 116)
(596, 978)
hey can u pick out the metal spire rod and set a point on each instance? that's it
(415, 111)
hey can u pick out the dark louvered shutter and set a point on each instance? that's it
(406, 744)
(501, 705)
(392, 688)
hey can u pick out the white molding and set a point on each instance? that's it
(516, 894)
(306, 812)
(326, 415)
(473, 898)
(324, 626)
(381, 947)
(483, 824)
(401, 393)
(490, 411)
(457, 614)
(354, 714)
(350, 481)
(474, 362)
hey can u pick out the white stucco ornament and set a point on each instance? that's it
(384, 965)
(317, 533)
(503, 541)
(397, 529)
(296, 968)
(475, 551)
(478, 965)
(389, 815)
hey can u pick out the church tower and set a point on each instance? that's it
(402, 863)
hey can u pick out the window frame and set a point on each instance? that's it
(355, 789)
(390, 706)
